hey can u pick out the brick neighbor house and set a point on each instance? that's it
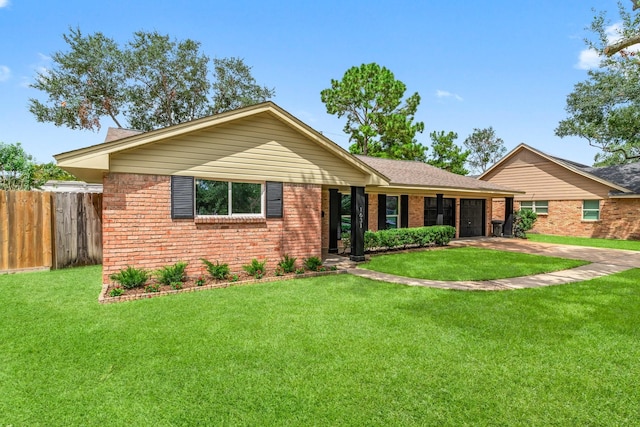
(258, 183)
(571, 199)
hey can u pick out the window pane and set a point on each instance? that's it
(591, 215)
(246, 198)
(526, 205)
(591, 204)
(212, 197)
(392, 205)
(542, 210)
(392, 212)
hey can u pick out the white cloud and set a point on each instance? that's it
(4, 3)
(446, 94)
(588, 59)
(5, 72)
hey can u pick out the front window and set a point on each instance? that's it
(392, 212)
(537, 206)
(222, 198)
(345, 213)
(591, 210)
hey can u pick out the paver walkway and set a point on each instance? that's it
(603, 262)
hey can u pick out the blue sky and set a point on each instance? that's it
(505, 64)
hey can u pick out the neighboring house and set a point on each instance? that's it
(571, 199)
(258, 183)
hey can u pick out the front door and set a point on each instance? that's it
(472, 218)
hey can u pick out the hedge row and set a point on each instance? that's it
(400, 238)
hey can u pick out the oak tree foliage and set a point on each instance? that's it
(605, 109)
(379, 122)
(152, 81)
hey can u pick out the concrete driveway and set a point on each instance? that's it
(603, 262)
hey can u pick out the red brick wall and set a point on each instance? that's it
(138, 229)
(619, 219)
(373, 212)
(416, 211)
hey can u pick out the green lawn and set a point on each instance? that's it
(467, 263)
(332, 350)
(631, 245)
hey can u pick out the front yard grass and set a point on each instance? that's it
(332, 350)
(630, 245)
(453, 264)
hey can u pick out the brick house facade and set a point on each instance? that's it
(563, 193)
(158, 207)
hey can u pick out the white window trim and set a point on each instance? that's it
(590, 210)
(263, 200)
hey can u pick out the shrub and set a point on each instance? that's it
(217, 270)
(130, 277)
(439, 235)
(313, 263)
(200, 280)
(176, 285)
(523, 221)
(154, 287)
(299, 270)
(116, 292)
(287, 264)
(172, 273)
(346, 241)
(256, 268)
(234, 278)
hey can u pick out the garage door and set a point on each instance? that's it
(472, 218)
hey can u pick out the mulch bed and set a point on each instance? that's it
(190, 285)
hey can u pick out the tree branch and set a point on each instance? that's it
(614, 48)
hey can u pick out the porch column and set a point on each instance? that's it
(358, 209)
(440, 209)
(507, 229)
(334, 220)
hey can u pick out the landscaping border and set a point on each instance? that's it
(104, 298)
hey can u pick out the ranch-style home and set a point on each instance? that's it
(258, 183)
(571, 199)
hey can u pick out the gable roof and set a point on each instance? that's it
(405, 173)
(619, 178)
(91, 162)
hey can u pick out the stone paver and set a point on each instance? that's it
(603, 263)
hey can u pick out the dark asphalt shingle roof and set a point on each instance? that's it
(405, 172)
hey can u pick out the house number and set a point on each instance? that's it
(361, 216)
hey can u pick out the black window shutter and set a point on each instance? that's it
(382, 211)
(182, 197)
(404, 211)
(274, 199)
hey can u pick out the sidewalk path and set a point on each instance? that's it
(603, 262)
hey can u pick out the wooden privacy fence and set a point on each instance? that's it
(40, 230)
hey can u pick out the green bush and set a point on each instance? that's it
(439, 235)
(130, 277)
(217, 270)
(154, 287)
(313, 263)
(523, 221)
(346, 241)
(287, 264)
(116, 292)
(256, 268)
(172, 273)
